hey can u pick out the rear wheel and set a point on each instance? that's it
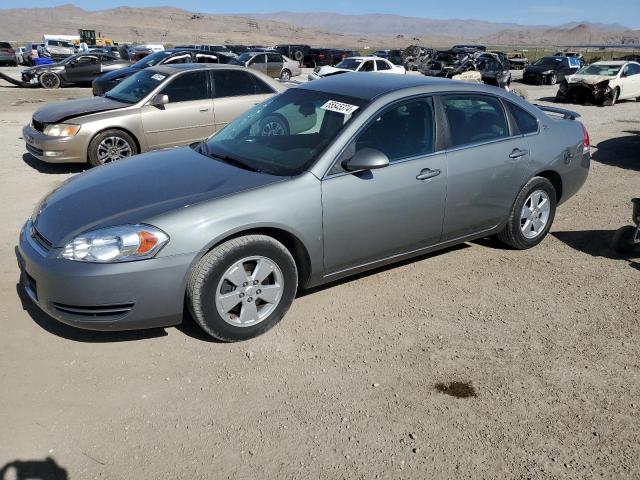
(49, 80)
(623, 240)
(242, 288)
(285, 74)
(109, 146)
(531, 215)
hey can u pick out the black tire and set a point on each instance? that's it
(208, 272)
(622, 241)
(285, 74)
(274, 124)
(92, 152)
(49, 80)
(512, 235)
(611, 100)
(298, 55)
(553, 79)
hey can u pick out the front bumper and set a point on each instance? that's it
(584, 93)
(118, 296)
(55, 149)
(535, 78)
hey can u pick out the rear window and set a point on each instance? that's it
(5, 45)
(525, 122)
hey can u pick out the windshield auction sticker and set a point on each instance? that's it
(338, 107)
(158, 77)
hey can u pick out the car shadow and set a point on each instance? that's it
(596, 243)
(619, 152)
(47, 469)
(67, 332)
(52, 168)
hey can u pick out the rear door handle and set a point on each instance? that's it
(427, 173)
(517, 153)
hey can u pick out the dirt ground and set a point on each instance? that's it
(475, 362)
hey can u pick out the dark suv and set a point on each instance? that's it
(294, 52)
(318, 57)
(106, 82)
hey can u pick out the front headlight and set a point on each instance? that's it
(116, 244)
(61, 130)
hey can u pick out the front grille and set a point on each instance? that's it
(94, 310)
(34, 151)
(40, 240)
(39, 126)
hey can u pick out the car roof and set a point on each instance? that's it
(371, 85)
(180, 67)
(370, 57)
(611, 62)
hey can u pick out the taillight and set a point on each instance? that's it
(586, 142)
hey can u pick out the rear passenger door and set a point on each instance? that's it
(487, 163)
(187, 118)
(235, 92)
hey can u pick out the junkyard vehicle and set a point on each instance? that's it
(233, 226)
(358, 64)
(157, 107)
(518, 60)
(21, 55)
(56, 48)
(627, 239)
(602, 83)
(90, 38)
(578, 56)
(293, 51)
(223, 49)
(112, 50)
(78, 69)
(7, 54)
(106, 82)
(395, 57)
(414, 57)
(273, 64)
(550, 70)
(468, 49)
(32, 52)
(448, 64)
(237, 49)
(494, 69)
(318, 57)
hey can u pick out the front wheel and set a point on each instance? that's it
(531, 215)
(612, 98)
(242, 288)
(109, 146)
(285, 75)
(49, 80)
(553, 79)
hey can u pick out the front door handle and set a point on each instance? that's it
(517, 153)
(427, 173)
(204, 109)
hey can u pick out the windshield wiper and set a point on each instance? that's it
(204, 149)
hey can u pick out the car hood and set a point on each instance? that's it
(134, 190)
(46, 67)
(590, 79)
(59, 112)
(329, 70)
(121, 72)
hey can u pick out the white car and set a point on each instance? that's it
(358, 64)
(602, 83)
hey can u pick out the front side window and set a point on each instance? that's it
(474, 119)
(403, 131)
(286, 134)
(187, 87)
(186, 58)
(86, 59)
(258, 59)
(367, 66)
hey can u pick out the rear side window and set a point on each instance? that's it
(367, 67)
(382, 65)
(233, 83)
(178, 59)
(525, 122)
(187, 87)
(474, 119)
(274, 58)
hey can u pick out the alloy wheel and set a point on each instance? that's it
(535, 214)
(249, 291)
(113, 148)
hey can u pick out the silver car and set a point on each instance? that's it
(158, 107)
(273, 64)
(387, 167)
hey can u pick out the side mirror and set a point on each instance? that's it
(366, 159)
(159, 100)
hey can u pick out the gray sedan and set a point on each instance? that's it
(273, 64)
(387, 167)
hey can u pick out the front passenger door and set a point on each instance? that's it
(187, 118)
(84, 69)
(259, 62)
(274, 64)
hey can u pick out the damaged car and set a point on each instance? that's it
(414, 57)
(75, 70)
(358, 64)
(550, 70)
(602, 83)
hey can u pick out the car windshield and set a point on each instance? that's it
(600, 69)
(134, 88)
(350, 63)
(548, 62)
(151, 60)
(284, 135)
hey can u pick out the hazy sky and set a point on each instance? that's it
(547, 12)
